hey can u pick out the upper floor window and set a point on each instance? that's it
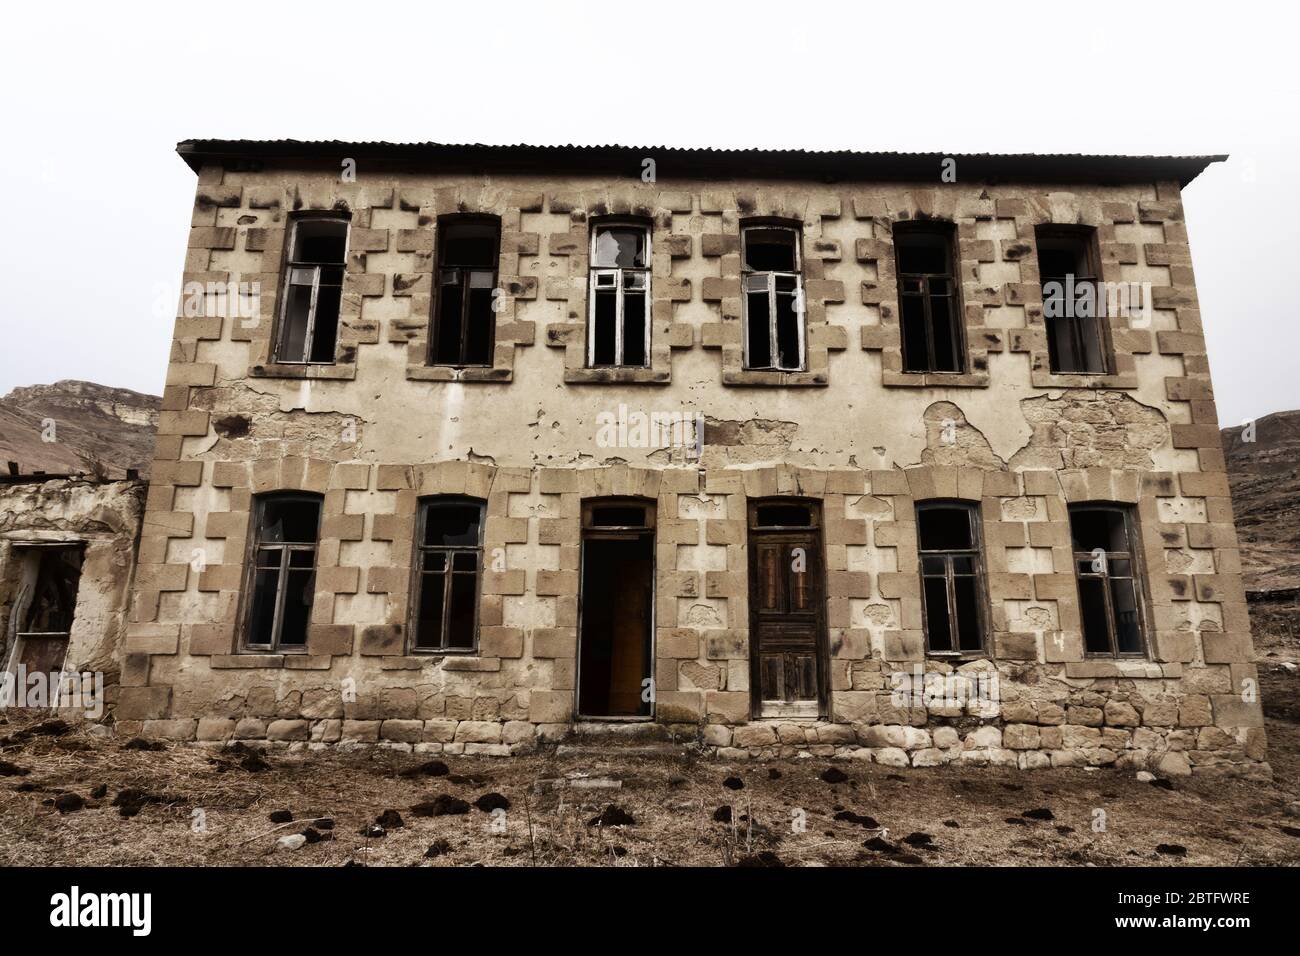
(468, 250)
(449, 560)
(283, 571)
(928, 304)
(1073, 301)
(313, 290)
(951, 577)
(772, 287)
(1107, 570)
(618, 321)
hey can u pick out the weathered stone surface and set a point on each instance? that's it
(1018, 441)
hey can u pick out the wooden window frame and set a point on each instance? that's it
(424, 506)
(592, 530)
(309, 336)
(946, 231)
(595, 274)
(1086, 239)
(975, 553)
(250, 574)
(770, 277)
(1136, 576)
(444, 224)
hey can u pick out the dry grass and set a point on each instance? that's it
(673, 803)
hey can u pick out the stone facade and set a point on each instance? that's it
(379, 429)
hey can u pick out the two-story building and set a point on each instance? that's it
(906, 457)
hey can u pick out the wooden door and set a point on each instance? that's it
(786, 597)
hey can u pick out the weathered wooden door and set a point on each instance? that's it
(787, 610)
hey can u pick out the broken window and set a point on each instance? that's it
(951, 585)
(1109, 584)
(449, 560)
(283, 572)
(772, 287)
(618, 324)
(928, 305)
(1073, 300)
(313, 290)
(47, 601)
(783, 516)
(467, 278)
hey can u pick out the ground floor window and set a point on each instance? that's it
(1107, 569)
(951, 577)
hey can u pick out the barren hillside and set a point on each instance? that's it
(114, 426)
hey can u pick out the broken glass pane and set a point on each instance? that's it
(622, 247)
(770, 250)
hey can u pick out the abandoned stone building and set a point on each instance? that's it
(899, 457)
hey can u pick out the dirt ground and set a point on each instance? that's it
(80, 799)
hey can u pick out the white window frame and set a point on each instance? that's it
(800, 312)
(597, 274)
(289, 267)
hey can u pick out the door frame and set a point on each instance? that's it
(18, 550)
(821, 641)
(588, 531)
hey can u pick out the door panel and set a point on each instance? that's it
(42, 654)
(787, 624)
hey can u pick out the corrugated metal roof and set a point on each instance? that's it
(707, 162)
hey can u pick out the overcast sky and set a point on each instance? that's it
(96, 96)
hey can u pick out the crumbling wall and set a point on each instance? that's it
(105, 519)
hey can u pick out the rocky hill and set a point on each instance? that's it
(1265, 479)
(73, 426)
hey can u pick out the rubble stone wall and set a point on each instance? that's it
(104, 518)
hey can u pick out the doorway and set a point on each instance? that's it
(48, 579)
(616, 607)
(787, 609)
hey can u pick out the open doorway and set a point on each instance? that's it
(40, 623)
(616, 602)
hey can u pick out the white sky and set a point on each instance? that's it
(96, 96)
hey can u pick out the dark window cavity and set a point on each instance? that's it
(45, 601)
(772, 285)
(783, 516)
(618, 321)
(1073, 300)
(313, 290)
(463, 327)
(449, 561)
(283, 572)
(928, 303)
(1110, 587)
(951, 578)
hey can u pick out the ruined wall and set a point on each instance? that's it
(379, 429)
(105, 518)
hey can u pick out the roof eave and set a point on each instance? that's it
(680, 163)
